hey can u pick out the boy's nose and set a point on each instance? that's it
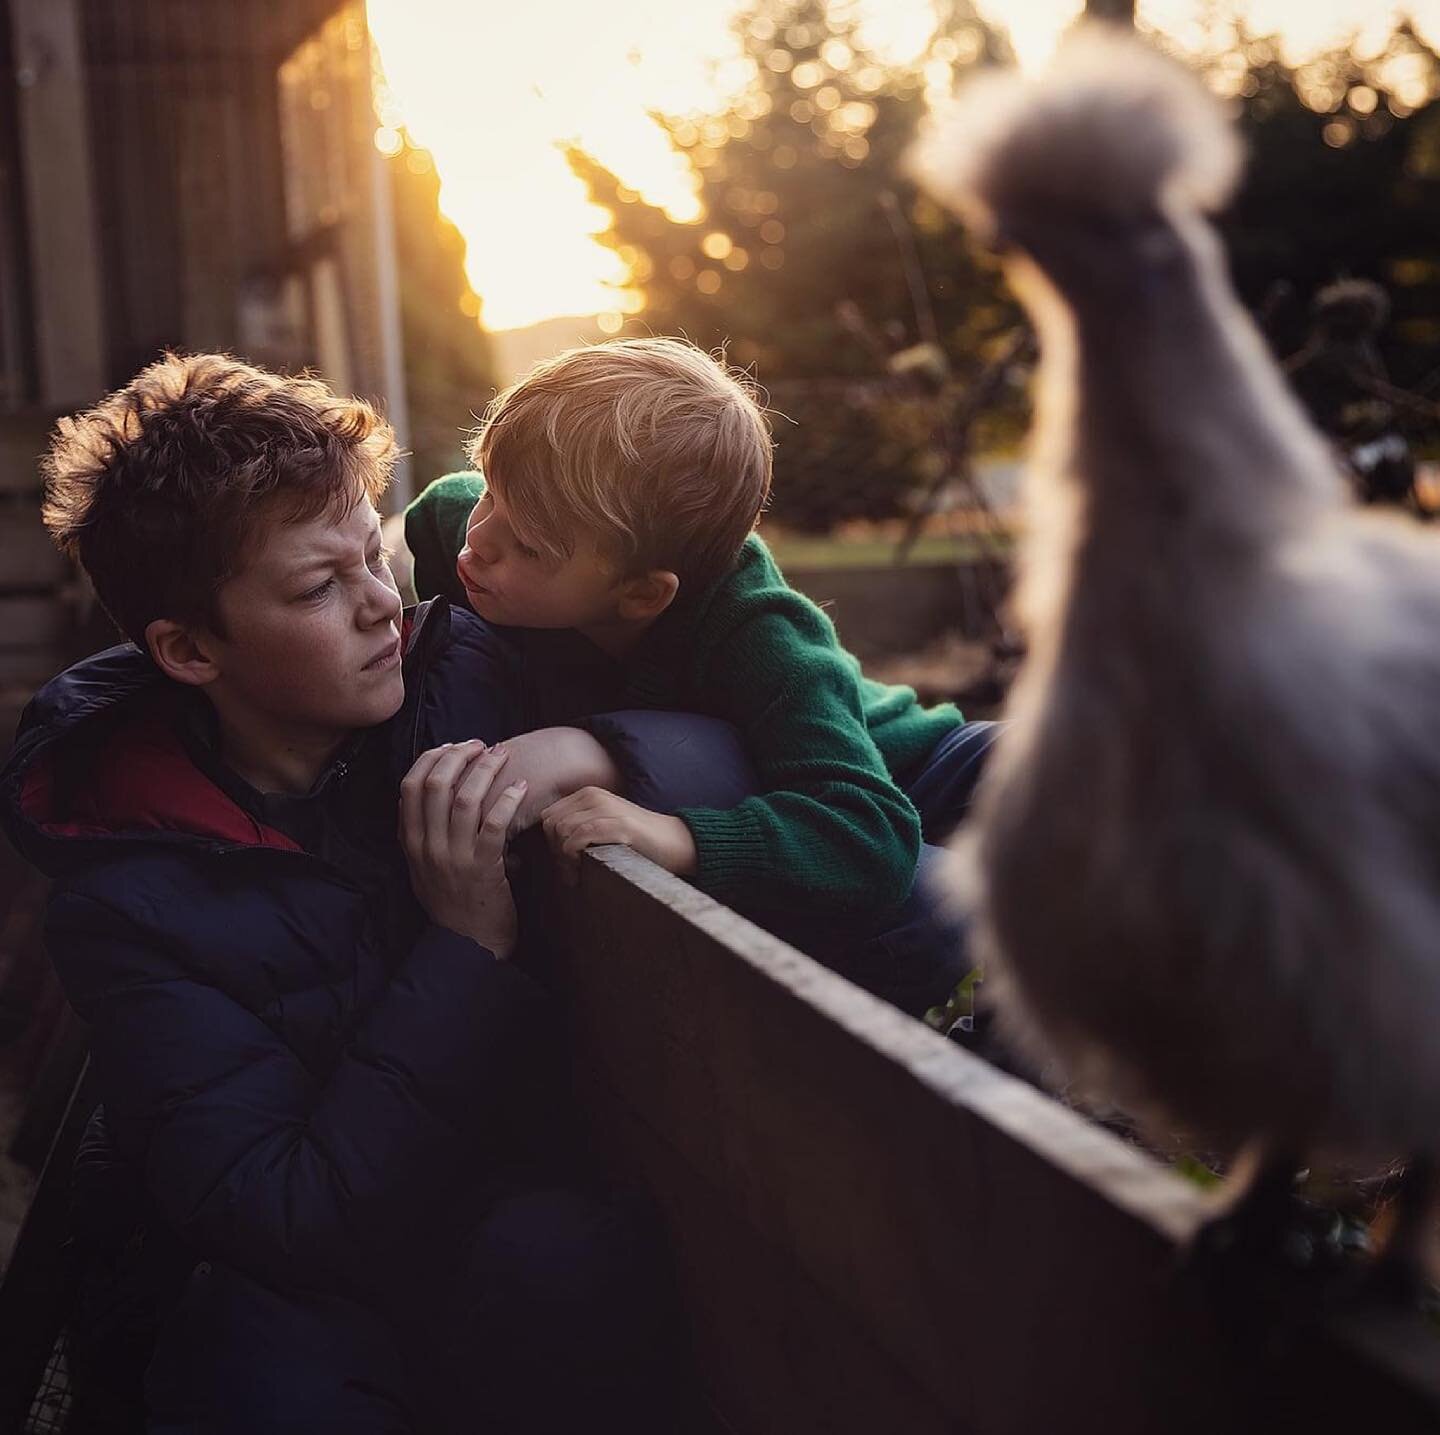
(479, 549)
(385, 604)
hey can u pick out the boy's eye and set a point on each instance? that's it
(527, 552)
(381, 557)
(318, 591)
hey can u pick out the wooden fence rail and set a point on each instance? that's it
(877, 1232)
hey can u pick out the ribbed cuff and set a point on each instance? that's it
(730, 850)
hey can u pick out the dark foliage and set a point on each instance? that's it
(448, 370)
(817, 263)
(812, 244)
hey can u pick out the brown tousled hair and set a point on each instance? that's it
(161, 489)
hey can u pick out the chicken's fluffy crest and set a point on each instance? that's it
(1151, 139)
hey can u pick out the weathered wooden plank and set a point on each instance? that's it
(920, 1231)
(60, 202)
(779, 1355)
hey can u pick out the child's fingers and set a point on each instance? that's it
(563, 819)
(591, 798)
(430, 757)
(560, 807)
(589, 801)
(471, 791)
(553, 839)
(414, 779)
(412, 799)
(557, 822)
(559, 817)
(498, 820)
(438, 798)
(569, 834)
(594, 832)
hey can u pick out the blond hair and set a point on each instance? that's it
(649, 448)
(161, 489)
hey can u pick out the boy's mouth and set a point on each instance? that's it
(468, 583)
(386, 660)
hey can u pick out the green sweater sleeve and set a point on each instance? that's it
(830, 824)
(435, 534)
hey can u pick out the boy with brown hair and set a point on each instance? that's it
(617, 492)
(324, 1083)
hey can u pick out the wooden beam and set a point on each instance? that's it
(877, 1231)
(16, 378)
(60, 201)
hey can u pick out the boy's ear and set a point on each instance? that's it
(180, 653)
(648, 595)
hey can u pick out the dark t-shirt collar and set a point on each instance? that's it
(300, 816)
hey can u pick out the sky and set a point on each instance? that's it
(492, 88)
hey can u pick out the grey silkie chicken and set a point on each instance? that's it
(1205, 861)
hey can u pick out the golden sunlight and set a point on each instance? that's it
(495, 93)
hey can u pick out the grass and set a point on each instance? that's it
(874, 545)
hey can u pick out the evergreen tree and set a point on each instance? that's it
(1342, 180)
(815, 260)
(814, 257)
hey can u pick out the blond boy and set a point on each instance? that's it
(621, 488)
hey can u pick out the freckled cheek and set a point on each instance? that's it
(312, 656)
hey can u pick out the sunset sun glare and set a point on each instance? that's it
(497, 94)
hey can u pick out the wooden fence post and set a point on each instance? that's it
(60, 194)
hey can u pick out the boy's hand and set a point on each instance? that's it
(592, 817)
(456, 855)
(555, 761)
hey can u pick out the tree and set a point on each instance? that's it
(815, 257)
(1342, 180)
(449, 372)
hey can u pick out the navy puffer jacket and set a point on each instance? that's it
(314, 1077)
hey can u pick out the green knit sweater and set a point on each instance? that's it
(827, 742)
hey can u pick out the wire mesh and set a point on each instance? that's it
(50, 1409)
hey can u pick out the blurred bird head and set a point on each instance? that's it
(1350, 310)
